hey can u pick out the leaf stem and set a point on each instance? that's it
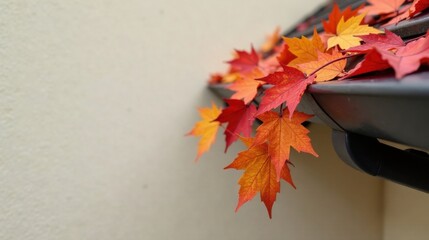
(333, 61)
(233, 133)
(282, 107)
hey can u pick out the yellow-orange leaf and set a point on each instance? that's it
(246, 87)
(282, 133)
(304, 49)
(336, 14)
(328, 72)
(348, 32)
(259, 175)
(230, 77)
(271, 41)
(206, 128)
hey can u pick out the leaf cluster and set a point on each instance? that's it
(269, 88)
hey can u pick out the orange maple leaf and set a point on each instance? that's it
(282, 133)
(348, 32)
(335, 16)
(304, 49)
(206, 128)
(246, 87)
(271, 41)
(230, 77)
(259, 175)
(379, 7)
(328, 72)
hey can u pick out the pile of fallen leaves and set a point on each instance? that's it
(293, 65)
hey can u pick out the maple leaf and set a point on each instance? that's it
(230, 77)
(336, 14)
(304, 49)
(269, 65)
(289, 85)
(285, 56)
(328, 72)
(408, 59)
(373, 61)
(244, 62)
(215, 78)
(240, 118)
(271, 41)
(282, 133)
(379, 7)
(347, 32)
(259, 176)
(415, 8)
(206, 128)
(385, 41)
(246, 87)
(404, 61)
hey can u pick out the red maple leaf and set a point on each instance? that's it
(415, 8)
(405, 60)
(285, 56)
(289, 86)
(373, 61)
(387, 41)
(245, 62)
(408, 59)
(240, 118)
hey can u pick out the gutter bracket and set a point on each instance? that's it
(407, 167)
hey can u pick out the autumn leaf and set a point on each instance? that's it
(259, 176)
(404, 61)
(304, 49)
(215, 78)
(288, 86)
(285, 56)
(335, 16)
(379, 7)
(206, 128)
(269, 65)
(328, 72)
(415, 8)
(408, 59)
(373, 61)
(240, 118)
(246, 87)
(230, 77)
(244, 62)
(387, 41)
(282, 133)
(271, 41)
(348, 32)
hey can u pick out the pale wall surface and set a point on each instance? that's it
(406, 213)
(95, 99)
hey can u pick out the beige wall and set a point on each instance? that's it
(406, 213)
(95, 97)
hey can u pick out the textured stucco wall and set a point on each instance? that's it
(95, 99)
